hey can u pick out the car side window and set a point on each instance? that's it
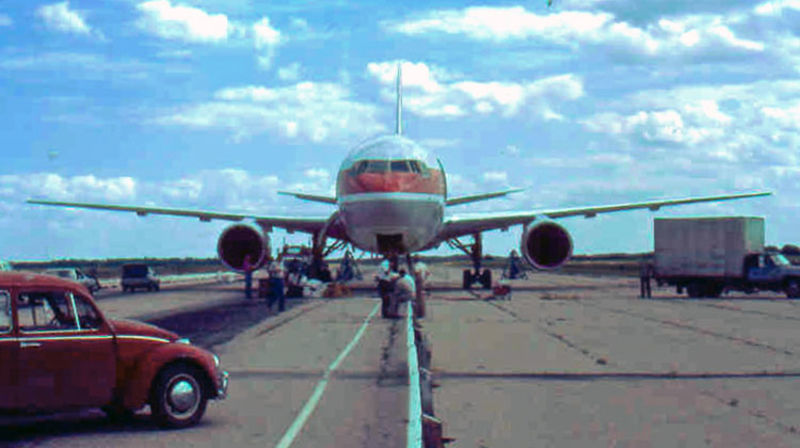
(5, 312)
(88, 317)
(45, 311)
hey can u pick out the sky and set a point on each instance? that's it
(217, 104)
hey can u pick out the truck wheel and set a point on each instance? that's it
(178, 397)
(792, 288)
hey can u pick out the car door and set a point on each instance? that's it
(8, 351)
(61, 363)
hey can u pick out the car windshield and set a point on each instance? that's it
(780, 260)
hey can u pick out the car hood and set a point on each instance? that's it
(135, 328)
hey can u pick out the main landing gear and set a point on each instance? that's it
(475, 252)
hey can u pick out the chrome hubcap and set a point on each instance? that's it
(183, 395)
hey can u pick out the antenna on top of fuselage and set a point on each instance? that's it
(399, 129)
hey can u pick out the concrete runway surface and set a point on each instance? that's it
(569, 361)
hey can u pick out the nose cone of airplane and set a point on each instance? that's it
(378, 182)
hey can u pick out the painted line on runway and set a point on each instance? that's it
(311, 404)
(414, 428)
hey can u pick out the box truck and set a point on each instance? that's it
(708, 256)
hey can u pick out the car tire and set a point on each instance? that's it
(178, 399)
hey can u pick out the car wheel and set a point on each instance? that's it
(178, 397)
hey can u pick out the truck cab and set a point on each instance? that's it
(772, 271)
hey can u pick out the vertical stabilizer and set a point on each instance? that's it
(399, 129)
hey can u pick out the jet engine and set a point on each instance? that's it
(546, 245)
(240, 240)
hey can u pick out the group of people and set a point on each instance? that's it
(396, 285)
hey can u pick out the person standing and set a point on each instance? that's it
(405, 289)
(248, 276)
(276, 284)
(645, 275)
(385, 280)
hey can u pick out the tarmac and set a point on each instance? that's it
(568, 361)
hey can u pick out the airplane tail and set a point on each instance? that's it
(399, 128)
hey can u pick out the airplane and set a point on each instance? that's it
(391, 198)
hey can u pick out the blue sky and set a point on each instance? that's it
(216, 105)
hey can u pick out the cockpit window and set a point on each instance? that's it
(400, 166)
(378, 166)
(382, 166)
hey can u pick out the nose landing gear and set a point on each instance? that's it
(475, 252)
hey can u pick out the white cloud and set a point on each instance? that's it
(776, 7)
(495, 176)
(184, 23)
(5, 20)
(290, 72)
(317, 173)
(54, 186)
(307, 110)
(426, 93)
(691, 34)
(59, 17)
(265, 39)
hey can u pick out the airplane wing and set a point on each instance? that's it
(292, 224)
(456, 226)
(480, 197)
(310, 197)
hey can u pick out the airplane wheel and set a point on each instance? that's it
(467, 279)
(486, 279)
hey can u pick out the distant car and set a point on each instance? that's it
(139, 275)
(59, 352)
(77, 275)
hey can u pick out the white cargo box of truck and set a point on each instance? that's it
(705, 247)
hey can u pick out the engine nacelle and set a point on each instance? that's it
(240, 240)
(546, 245)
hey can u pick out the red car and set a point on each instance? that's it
(58, 352)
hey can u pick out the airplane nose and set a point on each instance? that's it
(377, 183)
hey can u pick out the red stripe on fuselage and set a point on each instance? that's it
(390, 182)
